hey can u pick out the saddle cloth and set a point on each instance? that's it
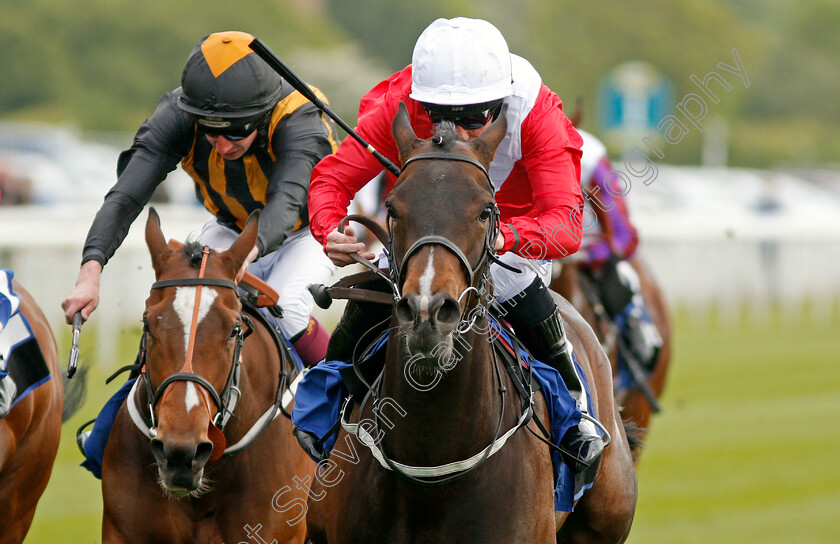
(21, 359)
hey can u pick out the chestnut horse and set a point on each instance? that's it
(29, 434)
(635, 407)
(440, 454)
(168, 478)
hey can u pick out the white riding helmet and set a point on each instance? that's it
(460, 61)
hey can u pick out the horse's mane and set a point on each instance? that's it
(193, 251)
(445, 136)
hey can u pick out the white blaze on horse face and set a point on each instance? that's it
(426, 285)
(191, 399)
(183, 305)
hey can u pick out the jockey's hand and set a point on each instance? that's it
(339, 246)
(85, 295)
(500, 242)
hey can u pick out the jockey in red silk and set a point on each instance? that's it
(607, 247)
(249, 141)
(463, 72)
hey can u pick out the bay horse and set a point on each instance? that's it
(436, 470)
(29, 434)
(635, 407)
(167, 475)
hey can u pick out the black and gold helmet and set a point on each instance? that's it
(225, 87)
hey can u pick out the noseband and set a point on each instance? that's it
(186, 374)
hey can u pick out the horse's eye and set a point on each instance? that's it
(486, 213)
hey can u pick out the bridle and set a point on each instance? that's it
(487, 252)
(227, 399)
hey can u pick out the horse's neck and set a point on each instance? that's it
(456, 416)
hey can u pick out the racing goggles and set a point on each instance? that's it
(231, 130)
(468, 117)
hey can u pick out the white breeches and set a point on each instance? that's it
(289, 269)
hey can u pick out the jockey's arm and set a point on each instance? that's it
(551, 155)
(85, 295)
(298, 143)
(159, 144)
(600, 178)
(337, 179)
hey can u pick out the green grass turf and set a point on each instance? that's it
(745, 451)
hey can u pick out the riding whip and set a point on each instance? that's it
(274, 61)
(73, 360)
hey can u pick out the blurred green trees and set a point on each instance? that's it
(103, 64)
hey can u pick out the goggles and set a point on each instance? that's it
(215, 127)
(469, 117)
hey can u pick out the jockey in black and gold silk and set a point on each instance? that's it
(231, 190)
(249, 141)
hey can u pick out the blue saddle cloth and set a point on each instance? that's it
(21, 359)
(321, 393)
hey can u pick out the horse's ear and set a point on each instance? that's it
(154, 238)
(485, 145)
(407, 141)
(238, 251)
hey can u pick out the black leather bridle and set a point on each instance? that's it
(488, 251)
(221, 400)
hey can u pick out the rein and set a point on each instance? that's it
(343, 289)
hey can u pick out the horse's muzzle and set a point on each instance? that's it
(428, 322)
(181, 464)
(440, 310)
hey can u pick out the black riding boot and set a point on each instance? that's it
(536, 320)
(347, 339)
(350, 337)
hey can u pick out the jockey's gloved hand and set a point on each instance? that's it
(309, 443)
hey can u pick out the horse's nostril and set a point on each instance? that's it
(449, 312)
(180, 454)
(203, 452)
(405, 313)
(157, 448)
(440, 309)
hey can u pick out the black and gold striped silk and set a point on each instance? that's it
(231, 190)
